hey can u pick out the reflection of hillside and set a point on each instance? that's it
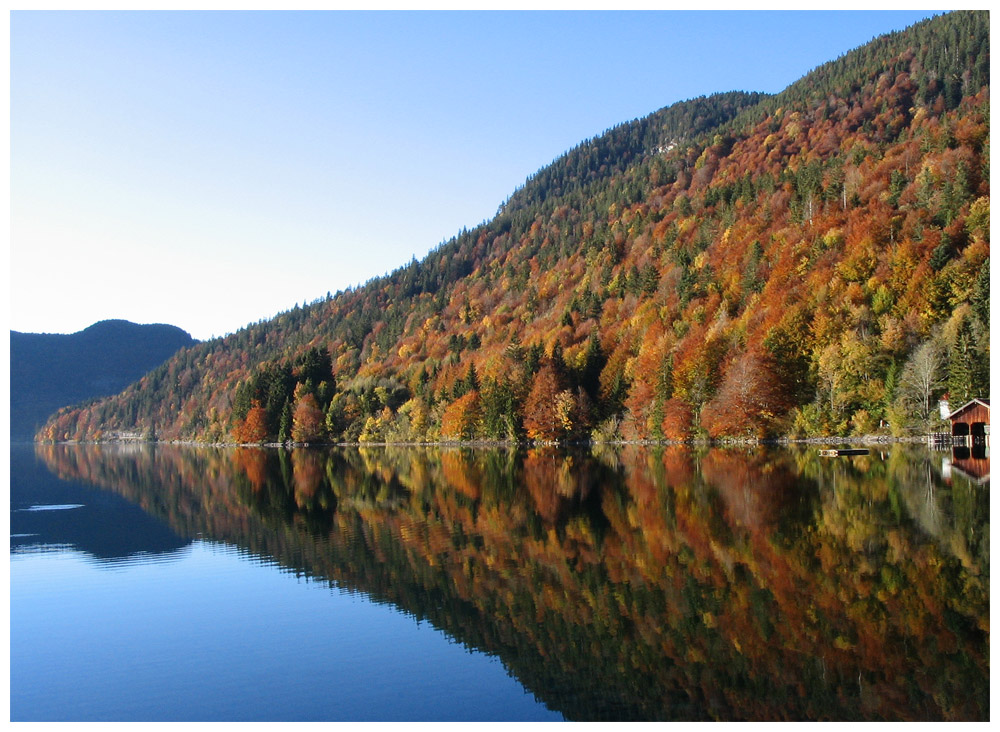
(48, 512)
(944, 509)
(644, 584)
(757, 492)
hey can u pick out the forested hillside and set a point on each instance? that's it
(738, 265)
(50, 370)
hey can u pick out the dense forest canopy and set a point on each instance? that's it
(734, 266)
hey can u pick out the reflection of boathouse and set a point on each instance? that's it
(970, 431)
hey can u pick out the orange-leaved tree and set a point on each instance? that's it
(542, 416)
(462, 418)
(253, 428)
(307, 419)
(749, 400)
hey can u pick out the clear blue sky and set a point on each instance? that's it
(209, 169)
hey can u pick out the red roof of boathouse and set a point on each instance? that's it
(977, 410)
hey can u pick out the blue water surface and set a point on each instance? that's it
(156, 582)
(114, 616)
(209, 633)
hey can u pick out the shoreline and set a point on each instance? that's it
(523, 444)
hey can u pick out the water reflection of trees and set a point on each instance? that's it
(640, 583)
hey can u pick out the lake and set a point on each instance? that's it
(166, 583)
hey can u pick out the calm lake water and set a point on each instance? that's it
(166, 583)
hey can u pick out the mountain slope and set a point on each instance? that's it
(736, 265)
(49, 371)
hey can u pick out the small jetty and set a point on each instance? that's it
(840, 452)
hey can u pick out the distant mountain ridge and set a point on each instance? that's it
(49, 371)
(738, 265)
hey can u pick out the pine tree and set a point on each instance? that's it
(285, 425)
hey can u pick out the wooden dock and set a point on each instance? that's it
(941, 439)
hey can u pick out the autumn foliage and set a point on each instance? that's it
(460, 420)
(546, 411)
(253, 428)
(748, 402)
(307, 420)
(734, 266)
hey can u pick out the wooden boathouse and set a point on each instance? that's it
(970, 424)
